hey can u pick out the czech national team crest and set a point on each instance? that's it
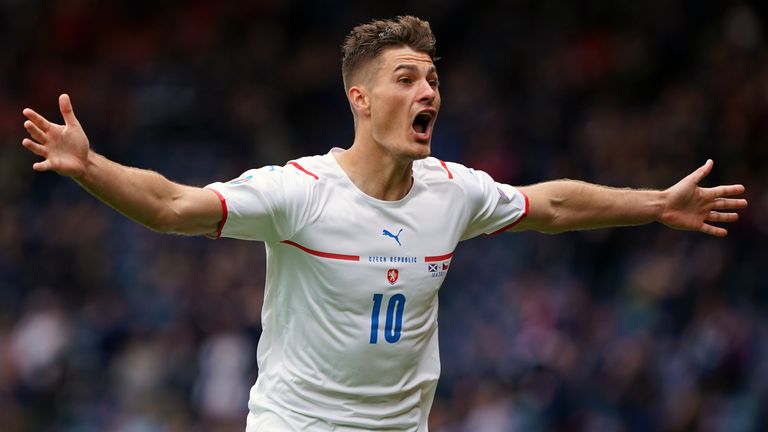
(392, 275)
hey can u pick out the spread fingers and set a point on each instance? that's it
(37, 119)
(729, 203)
(722, 217)
(34, 147)
(35, 132)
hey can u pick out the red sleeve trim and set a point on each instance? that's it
(520, 219)
(438, 258)
(323, 254)
(302, 169)
(445, 166)
(223, 212)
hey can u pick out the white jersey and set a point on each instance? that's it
(349, 337)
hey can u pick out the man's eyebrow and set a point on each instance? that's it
(413, 68)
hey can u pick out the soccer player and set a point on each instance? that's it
(359, 240)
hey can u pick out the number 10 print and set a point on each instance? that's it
(394, 324)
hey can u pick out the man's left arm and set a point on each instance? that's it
(566, 205)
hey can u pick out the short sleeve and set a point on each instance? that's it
(266, 204)
(492, 207)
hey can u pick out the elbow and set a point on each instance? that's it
(552, 227)
(552, 230)
(552, 220)
(174, 227)
(545, 224)
(161, 225)
(167, 221)
(179, 218)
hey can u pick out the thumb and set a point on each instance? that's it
(698, 175)
(65, 106)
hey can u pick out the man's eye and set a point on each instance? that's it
(404, 80)
(434, 83)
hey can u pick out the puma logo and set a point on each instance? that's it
(396, 237)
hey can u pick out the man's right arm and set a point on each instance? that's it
(142, 195)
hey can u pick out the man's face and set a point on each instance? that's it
(404, 101)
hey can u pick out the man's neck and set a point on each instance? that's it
(376, 172)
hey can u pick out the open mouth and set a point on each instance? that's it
(422, 123)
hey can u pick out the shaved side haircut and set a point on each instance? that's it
(366, 41)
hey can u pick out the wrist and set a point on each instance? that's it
(659, 205)
(90, 164)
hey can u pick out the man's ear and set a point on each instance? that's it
(359, 100)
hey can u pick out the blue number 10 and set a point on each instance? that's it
(394, 325)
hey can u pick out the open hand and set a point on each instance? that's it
(690, 207)
(64, 147)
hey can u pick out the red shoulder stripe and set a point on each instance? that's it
(302, 169)
(445, 166)
(322, 254)
(438, 258)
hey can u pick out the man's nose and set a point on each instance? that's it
(427, 92)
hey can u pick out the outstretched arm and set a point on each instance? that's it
(142, 195)
(565, 205)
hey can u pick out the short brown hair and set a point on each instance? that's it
(366, 41)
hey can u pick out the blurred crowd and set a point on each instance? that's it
(106, 326)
